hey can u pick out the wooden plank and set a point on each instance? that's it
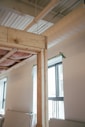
(3, 34)
(43, 13)
(46, 88)
(8, 55)
(24, 7)
(5, 48)
(19, 50)
(39, 90)
(14, 36)
(25, 38)
(20, 47)
(42, 97)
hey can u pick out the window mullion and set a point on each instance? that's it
(57, 91)
(3, 95)
(56, 98)
(57, 80)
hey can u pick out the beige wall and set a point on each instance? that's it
(20, 89)
(74, 78)
(74, 87)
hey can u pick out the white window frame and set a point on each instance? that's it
(57, 98)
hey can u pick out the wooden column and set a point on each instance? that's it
(42, 99)
(46, 88)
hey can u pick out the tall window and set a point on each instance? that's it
(55, 89)
(35, 89)
(3, 83)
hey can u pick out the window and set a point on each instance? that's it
(3, 83)
(35, 89)
(55, 89)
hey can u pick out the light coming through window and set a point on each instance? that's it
(55, 88)
(3, 83)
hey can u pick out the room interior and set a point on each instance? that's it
(31, 32)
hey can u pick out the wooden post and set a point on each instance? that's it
(46, 87)
(42, 107)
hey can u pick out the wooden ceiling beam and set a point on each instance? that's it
(24, 7)
(5, 48)
(22, 40)
(8, 55)
(18, 49)
(43, 13)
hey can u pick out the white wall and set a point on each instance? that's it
(19, 91)
(74, 78)
(74, 87)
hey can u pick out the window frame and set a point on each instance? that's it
(56, 83)
(53, 62)
(57, 98)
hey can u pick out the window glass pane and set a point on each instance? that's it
(51, 82)
(3, 84)
(4, 97)
(1, 94)
(35, 89)
(60, 73)
(56, 109)
(60, 109)
(52, 110)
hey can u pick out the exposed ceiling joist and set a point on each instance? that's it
(19, 20)
(8, 55)
(43, 13)
(5, 48)
(23, 7)
(9, 48)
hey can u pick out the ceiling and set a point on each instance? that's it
(39, 16)
(9, 59)
(19, 18)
